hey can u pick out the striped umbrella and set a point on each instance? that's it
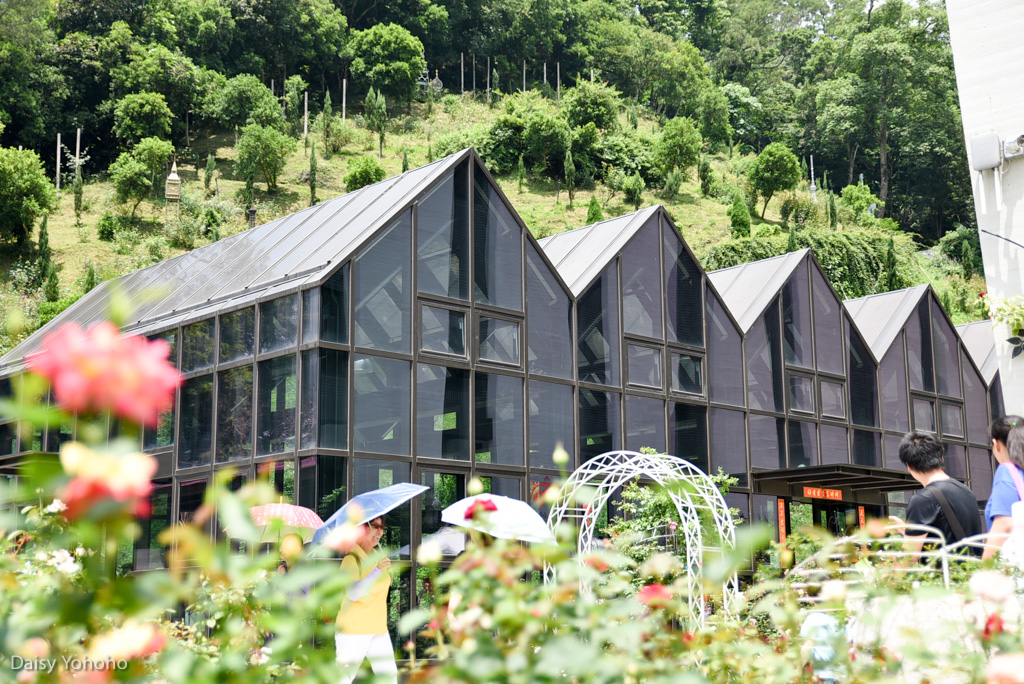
(280, 519)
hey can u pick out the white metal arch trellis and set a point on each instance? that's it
(697, 497)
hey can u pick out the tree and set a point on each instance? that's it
(594, 213)
(376, 111)
(570, 176)
(775, 169)
(244, 100)
(591, 102)
(678, 146)
(324, 120)
(78, 190)
(153, 153)
(131, 180)
(833, 213)
(312, 175)
(141, 115)
(739, 217)
(892, 277)
(43, 251)
(633, 189)
(209, 171)
(90, 280)
(841, 116)
(51, 289)
(705, 175)
(262, 149)
(390, 58)
(363, 171)
(25, 193)
(294, 87)
(405, 160)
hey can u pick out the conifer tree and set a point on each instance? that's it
(312, 175)
(211, 168)
(90, 277)
(594, 213)
(43, 251)
(51, 290)
(405, 160)
(570, 176)
(520, 172)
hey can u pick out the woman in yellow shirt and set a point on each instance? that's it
(362, 626)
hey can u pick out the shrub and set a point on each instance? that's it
(262, 150)
(962, 244)
(706, 176)
(739, 217)
(589, 102)
(51, 288)
(211, 168)
(673, 180)
(503, 143)
(450, 104)
(679, 145)
(629, 151)
(126, 241)
(108, 227)
(594, 213)
(141, 115)
(363, 171)
(25, 193)
(184, 232)
(245, 100)
(153, 153)
(545, 137)
(376, 113)
(131, 181)
(49, 310)
(855, 202)
(155, 247)
(774, 170)
(89, 279)
(633, 189)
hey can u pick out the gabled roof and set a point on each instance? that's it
(747, 289)
(296, 251)
(980, 343)
(881, 317)
(581, 255)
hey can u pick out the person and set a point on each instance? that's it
(944, 503)
(362, 626)
(1005, 491)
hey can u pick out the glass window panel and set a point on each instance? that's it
(499, 340)
(369, 474)
(688, 433)
(947, 355)
(645, 423)
(863, 386)
(974, 403)
(597, 316)
(442, 242)
(551, 422)
(892, 374)
(688, 374)
(924, 415)
(7, 390)
(499, 419)
(384, 291)
(310, 315)
(334, 308)
(835, 447)
(833, 399)
(641, 283)
(443, 330)
(919, 349)
(497, 249)
(995, 398)
(729, 443)
(539, 485)
(162, 436)
(867, 448)
(725, 355)
(683, 289)
(381, 404)
(442, 412)
(981, 472)
(765, 509)
(277, 402)
(237, 334)
(149, 552)
(644, 365)
(503, 486)
(279, 323)
(956, 461)
(801, 394)
(796, 319)
(600, 428)
(764, 362)
(281, 475)
(190, 498)
(741, 502)
(333, 409)
(322, 484)
(234, 414)
(153, 438)
(197, 346)
(952, 420)
(195, 422)
(803, 444)
(828, 338)
(767, 442)
(8, 439)
(168, 336)
(892, 452)
(548, 320)
(310, 399)
(445, 490)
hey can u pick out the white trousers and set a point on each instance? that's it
(351, 649)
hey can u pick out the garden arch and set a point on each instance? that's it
(695, 497)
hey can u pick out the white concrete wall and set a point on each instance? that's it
(988, 54)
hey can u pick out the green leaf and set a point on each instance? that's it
(413, 620)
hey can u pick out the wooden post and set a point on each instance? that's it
(524, 74)
(78, 149)
(545, 73)
(474, 74)
(305, 117)
(344, 98)
(591, 75)
(272, 86)
(558, 79)
(462, 73)
(58, 163)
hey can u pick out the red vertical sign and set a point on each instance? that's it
(782, 521)
(860, 515)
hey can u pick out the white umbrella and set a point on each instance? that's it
(499, 516)
(451, 541)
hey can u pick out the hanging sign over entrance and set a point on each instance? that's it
(822, 493)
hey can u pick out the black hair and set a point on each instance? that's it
(922, 452)
(1000, 428)
(1015, 445)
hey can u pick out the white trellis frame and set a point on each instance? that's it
(691, 490)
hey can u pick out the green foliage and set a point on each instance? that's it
(964, 245)
(376, 112)
(855, 202)
(209, 171)
(245, 100)
(679, 145)
(363, 171)
(892, 278)
(673, 181)
(153, 153)
(107, 228)
(263, 150)
(589, 102)
(503, 143)
(51, 288)
(90, 281)
(25, 193)
(791, 242)
(739, 217)
(570, 176)
(594, 213)
(43, 251)
(774, 170)
(520, 173)
(405, 160)
(78, 191)
(634, 123)
(833, 212)
(705, 175)
(389, 58)
(629, 151)
(131, 181)
(312, 175)
(141, 115)
(633, 189)
(48, 310)
(294, 87)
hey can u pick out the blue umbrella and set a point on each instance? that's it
(373, 504)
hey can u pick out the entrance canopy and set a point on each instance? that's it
(851, 479)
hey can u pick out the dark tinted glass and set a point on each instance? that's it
(322, 484)
(281, 475)
(725, 355)
(956, 461)
(687, 374)
(644, 365)
(801, 394)
(833, 399)
(278, 398)
(8, 438)
(952, 420)
(497, 249)
(499, 419)
(190, 498)
(444, 490)
(334, 307)
(729, 443)
(803, 444)
(893, 377)
(234, 414)
(161, 436)
(600, 429)
(741, 502)
(995, 398)
(981, 472)
(195, 420)
(947, 355)
(919, 349)
(503, 486)
(924, 415)
(863, 387)
(310, 398)
(149, 552)
(370, 474)
(682, 288)
(767, 442)
(835, 447)
(197, 346)
(645, 423)
(796, 319)
(688, 433)
(383, 288)
(442, 242)
(551, 421)
(867, 448)
(975, 404)
(765, 509)
(443, 330)
(641, 283)
(237, 334)
(499, 340)
(381, 404)
(279, 323)
(548, 320)
(892, 452)
(828, 338)
(764, 362)
(442, 412)
(168, 336)
(333, 408)
(310, 315)
(597, 317)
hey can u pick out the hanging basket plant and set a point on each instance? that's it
(1010, 312)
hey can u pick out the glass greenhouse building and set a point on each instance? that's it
(415, 331)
